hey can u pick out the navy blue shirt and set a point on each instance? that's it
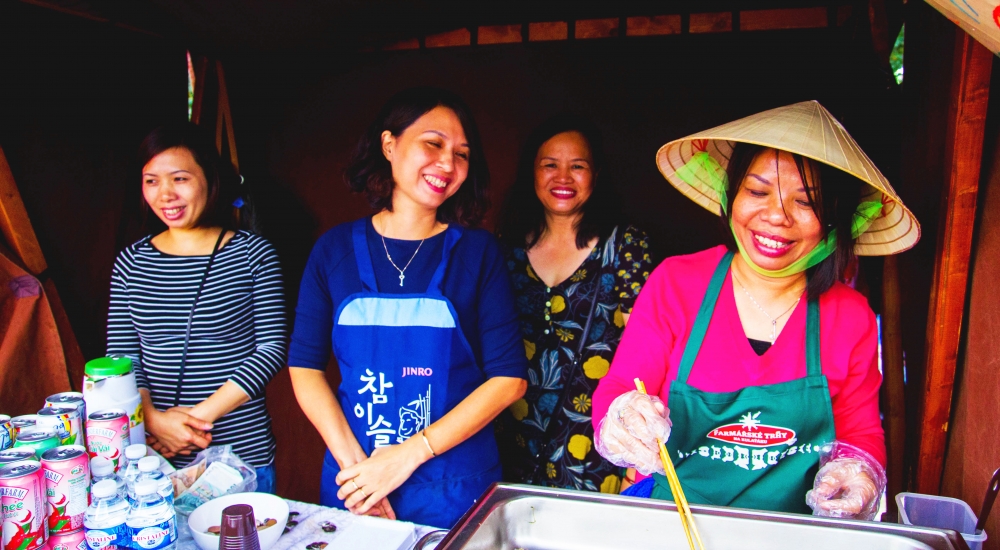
(476, 282)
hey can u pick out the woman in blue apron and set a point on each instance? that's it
(766, 360)
(418, 311)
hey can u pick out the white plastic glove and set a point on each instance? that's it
(627, 434)
(849, 484)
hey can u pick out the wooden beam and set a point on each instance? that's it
(200, 63)
(225, 118)
(893, 386)
(970, 88)
(15, 224)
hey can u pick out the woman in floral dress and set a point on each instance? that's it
(563, 249)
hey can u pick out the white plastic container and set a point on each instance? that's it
(940, 513)
(109, 383)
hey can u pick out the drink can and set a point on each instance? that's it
(68, 399)
(38, 441)
(25, 423)
(67, 487)
(6, 433)
(17, 455)
(74, 540)
(22, 496)
(65, 421)
(108, 435)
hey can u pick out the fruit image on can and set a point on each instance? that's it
(25, 423)
(75, 540)
(65, 421)
(38, 440)
(6, 433)
(23, 501)
(17, 455)
(68, 399)
(67, 487)
(108, 435)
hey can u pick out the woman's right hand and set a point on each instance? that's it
(177, 432)
(628, 433)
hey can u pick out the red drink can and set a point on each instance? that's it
(22, 495)
(108, 435)
(65, 421)
(17, 455)
(68, 541)
(67, 487)
(24, 423)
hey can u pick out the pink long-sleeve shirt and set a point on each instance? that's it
(664, 314)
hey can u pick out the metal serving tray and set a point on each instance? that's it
(510, 517)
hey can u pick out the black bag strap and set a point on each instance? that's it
(187, 331)
(547, 438)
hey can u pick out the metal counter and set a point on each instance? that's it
(513, 517)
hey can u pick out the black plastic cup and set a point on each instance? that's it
(239, 529)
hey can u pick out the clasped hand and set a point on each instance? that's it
(365, 485)
(628, 433)
(176, 431)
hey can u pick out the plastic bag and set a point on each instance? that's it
(215, 472)
(849, 483)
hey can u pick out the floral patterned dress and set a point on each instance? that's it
(552, 322)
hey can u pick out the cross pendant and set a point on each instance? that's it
(774, 329)
(401, 277)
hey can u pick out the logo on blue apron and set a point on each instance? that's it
(414, 416)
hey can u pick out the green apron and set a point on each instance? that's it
(753, 448)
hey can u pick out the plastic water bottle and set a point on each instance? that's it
(101, 469)
(149, 468)
(151, 521)
(104, 523)
(133, 454)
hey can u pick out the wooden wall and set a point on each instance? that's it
(973, 453)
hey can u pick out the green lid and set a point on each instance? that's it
(108, 366)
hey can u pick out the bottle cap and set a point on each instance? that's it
(144, 487)
(149, 464)
(135, 452)
(104, 489)
(101, 466)
(103, 367)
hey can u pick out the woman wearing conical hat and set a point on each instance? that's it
(761, 359)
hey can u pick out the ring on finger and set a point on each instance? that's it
(356, 488)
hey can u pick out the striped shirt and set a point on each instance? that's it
(239, 332)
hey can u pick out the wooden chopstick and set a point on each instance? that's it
(687, 519)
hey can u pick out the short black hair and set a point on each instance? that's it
(834, 197)
(369, 172)
(522, 221)
(223, 183)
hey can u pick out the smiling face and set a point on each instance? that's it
(564, 177)
(175, 188)
(772, 215)
(430, 159)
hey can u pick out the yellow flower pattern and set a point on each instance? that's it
(552, 321)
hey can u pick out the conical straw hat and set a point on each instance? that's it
(811, 131)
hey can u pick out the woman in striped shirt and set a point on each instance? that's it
(199, 307)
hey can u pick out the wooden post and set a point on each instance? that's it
(200, 64)
(963, 154)
(224, 119)
(893, 387)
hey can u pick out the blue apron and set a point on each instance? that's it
(404, 364)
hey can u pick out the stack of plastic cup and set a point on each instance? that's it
(239, 529)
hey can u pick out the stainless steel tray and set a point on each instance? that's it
(509, 517)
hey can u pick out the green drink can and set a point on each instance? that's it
(40, 441)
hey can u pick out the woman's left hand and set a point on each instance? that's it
(368, 482)
(849, 484)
